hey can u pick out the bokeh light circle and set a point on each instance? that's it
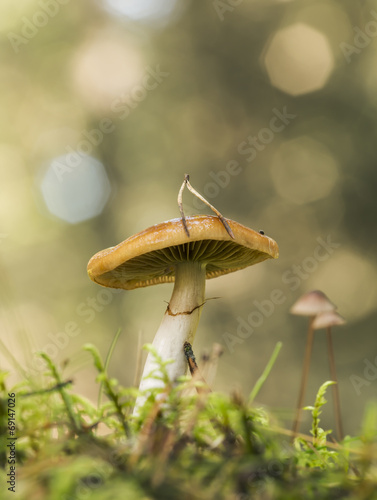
(75, 187)
(142, 10)
(299, 59)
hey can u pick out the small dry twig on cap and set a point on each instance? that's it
(194, 370)
(181, 206)
(186, 182)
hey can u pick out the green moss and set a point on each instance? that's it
(201, 446)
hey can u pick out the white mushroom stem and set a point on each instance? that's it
(178, 326)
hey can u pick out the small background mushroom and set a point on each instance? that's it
(321, 312)
(310, 304)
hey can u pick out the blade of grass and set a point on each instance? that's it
(107, 383)
(261, 380)
(139, 360)
(67, 400)
(107, 362)
(10, 356)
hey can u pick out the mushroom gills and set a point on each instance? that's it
(219, 257)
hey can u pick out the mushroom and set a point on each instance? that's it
(327, 320)
(164, 253)
(310, 304)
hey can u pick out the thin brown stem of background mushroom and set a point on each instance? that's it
(304, 376)
(338, 417)
(327, 320)
(164, 254)
(310, 304)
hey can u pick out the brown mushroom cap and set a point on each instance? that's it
(312, 303)
(149, 257)
(326, 319)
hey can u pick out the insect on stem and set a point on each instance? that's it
(194, 370)
(190, 358)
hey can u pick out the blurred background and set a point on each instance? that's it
(270, 106)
